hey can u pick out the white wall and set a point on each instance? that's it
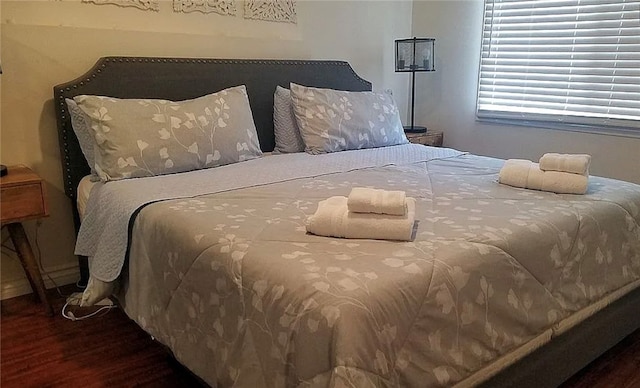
(445, 100)
(44, 43)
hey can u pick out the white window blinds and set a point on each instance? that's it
(574, 62)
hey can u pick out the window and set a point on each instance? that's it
(561, 63)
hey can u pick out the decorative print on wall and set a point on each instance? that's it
(271, 10)
(223, 7)
(146, 5)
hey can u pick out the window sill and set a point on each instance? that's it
(584, 128)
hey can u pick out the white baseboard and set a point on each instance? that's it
(61, 277)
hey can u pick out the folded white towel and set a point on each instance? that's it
(333, 218)
(573, 163)
(367, 200)
(526, 174)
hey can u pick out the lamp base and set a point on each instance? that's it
(3, 170)
(415, 129)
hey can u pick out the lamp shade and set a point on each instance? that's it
(415, 54)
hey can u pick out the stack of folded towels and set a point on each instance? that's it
(367, 213)
(557, 173)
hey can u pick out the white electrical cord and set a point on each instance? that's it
(74, 300)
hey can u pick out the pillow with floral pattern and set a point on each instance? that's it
(145, 137)
(333, 120)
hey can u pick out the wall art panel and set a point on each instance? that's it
(271, 10)
(147, 5)
(223, 7)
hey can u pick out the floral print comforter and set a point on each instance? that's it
(243, 296)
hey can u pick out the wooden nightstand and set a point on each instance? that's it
(430, 138)
(22, 198)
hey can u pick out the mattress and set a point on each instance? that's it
(84, 189)
(233, 285)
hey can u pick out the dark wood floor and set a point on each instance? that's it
(111, 351)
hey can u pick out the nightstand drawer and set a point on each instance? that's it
(20, 202)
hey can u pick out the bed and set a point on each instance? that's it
(499, 286)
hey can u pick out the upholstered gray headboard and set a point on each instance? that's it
(185, 78)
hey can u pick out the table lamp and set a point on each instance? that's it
(414, 55)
